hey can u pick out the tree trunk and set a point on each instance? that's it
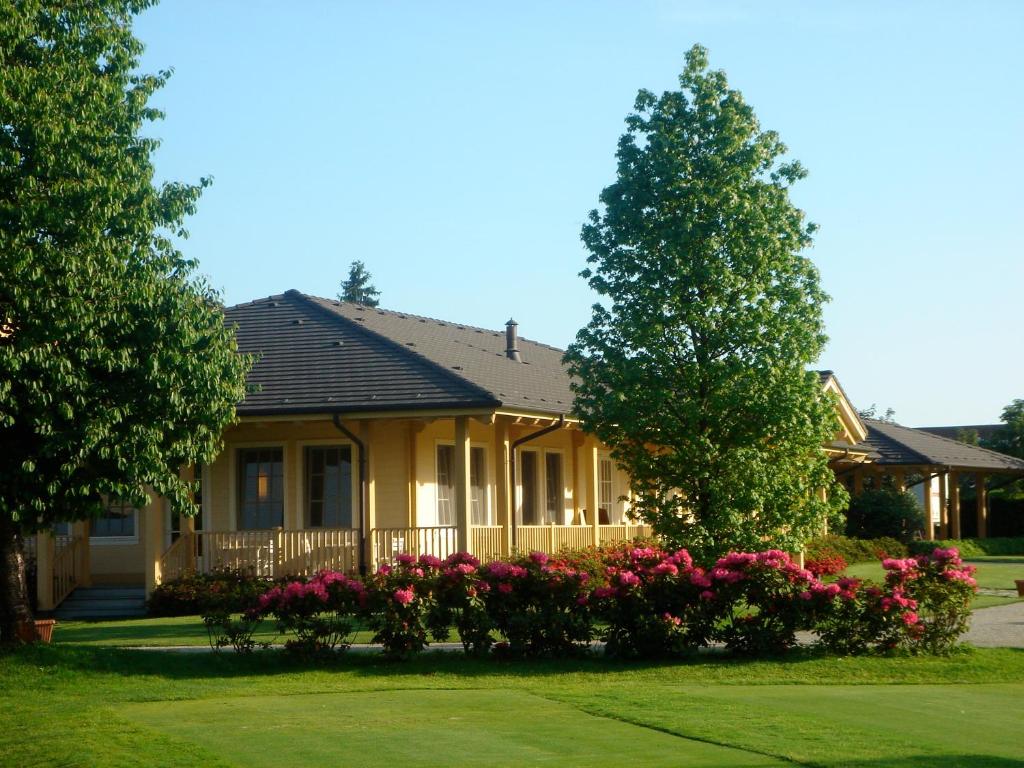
(14, 607)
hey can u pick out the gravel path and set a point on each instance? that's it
(1001, 626)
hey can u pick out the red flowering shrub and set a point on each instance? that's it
(320, 612)
(539, 604)
(402, 608)
(826, 564)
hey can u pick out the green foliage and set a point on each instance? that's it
(116, 368)
(854, 550)
(884, 512)
(972, 547)
(357, 289)
(230, 591)
(694, 367)
(1009, 439)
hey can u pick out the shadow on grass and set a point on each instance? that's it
(938, 761)
(803, 666)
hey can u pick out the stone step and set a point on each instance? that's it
(103, 603)
(108, 593)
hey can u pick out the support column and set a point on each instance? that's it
(152, 523)
(929, 529)
(45, 551)
(575, 442)
(370, 499)
(943, 507)
(462, 484)
(899, 479)
(982, 505)
(592, 475)
(858, 482)
(954, 505)
(413, 490)
(83, 568)
(504, 496)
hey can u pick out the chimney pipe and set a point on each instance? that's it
(512, 341)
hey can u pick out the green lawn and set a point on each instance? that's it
(88, 705)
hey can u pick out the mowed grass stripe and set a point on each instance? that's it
(424, 728)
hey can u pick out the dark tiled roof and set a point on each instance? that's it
(477, 355)
(312, 360)
(894, 444)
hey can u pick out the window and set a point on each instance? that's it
(555, 488)
(478, 507)
(329, 487)
(529, 485)
(118, 520)
(606, 490)
(260, 488)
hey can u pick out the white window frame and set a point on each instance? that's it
(115, 541)
(485, 484)
(616, 508)
(541, 498)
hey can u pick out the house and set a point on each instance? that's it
(370, 432)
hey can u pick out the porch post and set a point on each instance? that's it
(45, 552)
(414, 431)
(370, 493)
(152, 522)
(593, 476)
(982, 504)
(929, 528)
(575, 441)
(858, 482)
(954, 505)
(900, 480)
(503, 490)
(462, 484)
(943, 508)
(83, 568)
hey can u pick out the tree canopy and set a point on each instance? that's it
(116, 367)
(694, 366)
(1009, 438)
(357, 288)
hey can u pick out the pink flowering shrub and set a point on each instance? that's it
(320, 612)
(826, 564)
(402, 607)
(460, 602)
(764, 597)
(653, 604)
(540, 604)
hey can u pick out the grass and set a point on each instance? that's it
(89, 705)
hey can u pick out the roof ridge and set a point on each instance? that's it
(398, 313)
(314, 301)
(878, 422)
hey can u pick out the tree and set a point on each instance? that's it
(884, 512)
(116, 367)
(888, 417)
(356, 288)
(694, 370)
(1009, 438)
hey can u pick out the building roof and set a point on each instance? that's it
(983, 431)
(370, 359)
(896, 445)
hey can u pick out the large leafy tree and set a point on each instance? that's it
(357, 288)
(694, 368)
(1009, 438)
(116, 368)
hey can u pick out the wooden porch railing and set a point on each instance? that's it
(65, 566)
(386, 543)
(609, 534)
(551, 538)
(180, 558)
(489, 542)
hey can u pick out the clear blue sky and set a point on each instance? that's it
(457, 147)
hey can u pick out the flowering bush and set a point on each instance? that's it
(402, 605)
(194, 593)
(320, 612)
(764, 598)
(936, 590)
(539, 604)
(826, 564)
(460, 602)
(653, 603)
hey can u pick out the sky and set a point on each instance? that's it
(456, 148)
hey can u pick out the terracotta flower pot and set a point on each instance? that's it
(40, 630)
(1020, 587)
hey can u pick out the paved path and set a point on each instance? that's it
(1001, 626)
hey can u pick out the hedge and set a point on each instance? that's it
(973, 547)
